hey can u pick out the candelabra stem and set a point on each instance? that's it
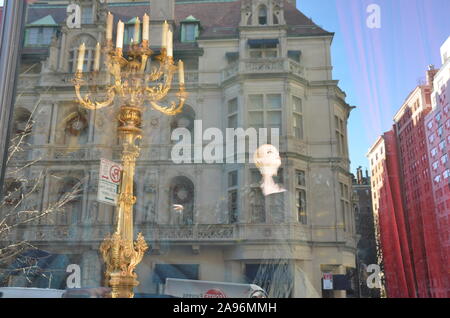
(119, 252)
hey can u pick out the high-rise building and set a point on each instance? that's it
(417, 145)
(417, 193)
(438, 141)
(389, 215)
(366, 254)
(250, 64)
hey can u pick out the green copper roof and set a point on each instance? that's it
(132, 21)
(200, 1)
(191, 18)
(45, 21)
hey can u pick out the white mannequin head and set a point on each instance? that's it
(267, 159)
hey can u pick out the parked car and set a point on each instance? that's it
(26, 292)
(185, 288)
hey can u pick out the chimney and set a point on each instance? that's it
(359, 175)
(160, 11)
(431, 73)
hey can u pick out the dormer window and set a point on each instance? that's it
(87, 15)
(190, 29)
(40, 32)
(262, 15)
(129, 32)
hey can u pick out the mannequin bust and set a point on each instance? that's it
(267, 160)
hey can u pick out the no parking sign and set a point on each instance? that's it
(327, 281)
(109, 182)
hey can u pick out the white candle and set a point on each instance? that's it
(109, 26)
(181, 72)
(81, 52)
(165, 30)
(169, 43)
(137, 27)
(146, 28)
(120, 29)
(97, 58)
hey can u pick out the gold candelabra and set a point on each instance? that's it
(133, 83)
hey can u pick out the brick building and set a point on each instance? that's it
(410, 182)
(438, 141)
(389, 216)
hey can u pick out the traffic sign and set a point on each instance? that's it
(327, 281)
(109, 182)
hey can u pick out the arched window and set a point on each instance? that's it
(13, 191)
(73, 128)
(69, 193)
(276, 14)
(21, 131)
(275, 19)
(89, 56)
(184, 120)
(257, 206)
(22, 121)
(76, 125)
(262, 15)
(182, 196)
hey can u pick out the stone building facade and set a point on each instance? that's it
(255, 63)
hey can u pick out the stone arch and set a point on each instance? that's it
(21, 133)
(73, 127)
(262, 14)
(22, 121)
(184, 120)
(13, 190)
(182, 193)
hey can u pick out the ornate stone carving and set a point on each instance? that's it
(176, 232)
(61, 232)
(215, 232)
(75, 155)
(149, 188)
(263, 66)
(154, 122)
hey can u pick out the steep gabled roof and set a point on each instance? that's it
(218, 18)
(45, 21)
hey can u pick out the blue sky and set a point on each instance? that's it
(378, 68)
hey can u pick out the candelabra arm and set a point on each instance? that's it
(174, 108)
(159, 92)
(86, 101)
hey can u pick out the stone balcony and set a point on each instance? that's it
(58, 79)
(200, 233)
(263, 66)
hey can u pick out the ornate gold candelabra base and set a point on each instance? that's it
(121, 257)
